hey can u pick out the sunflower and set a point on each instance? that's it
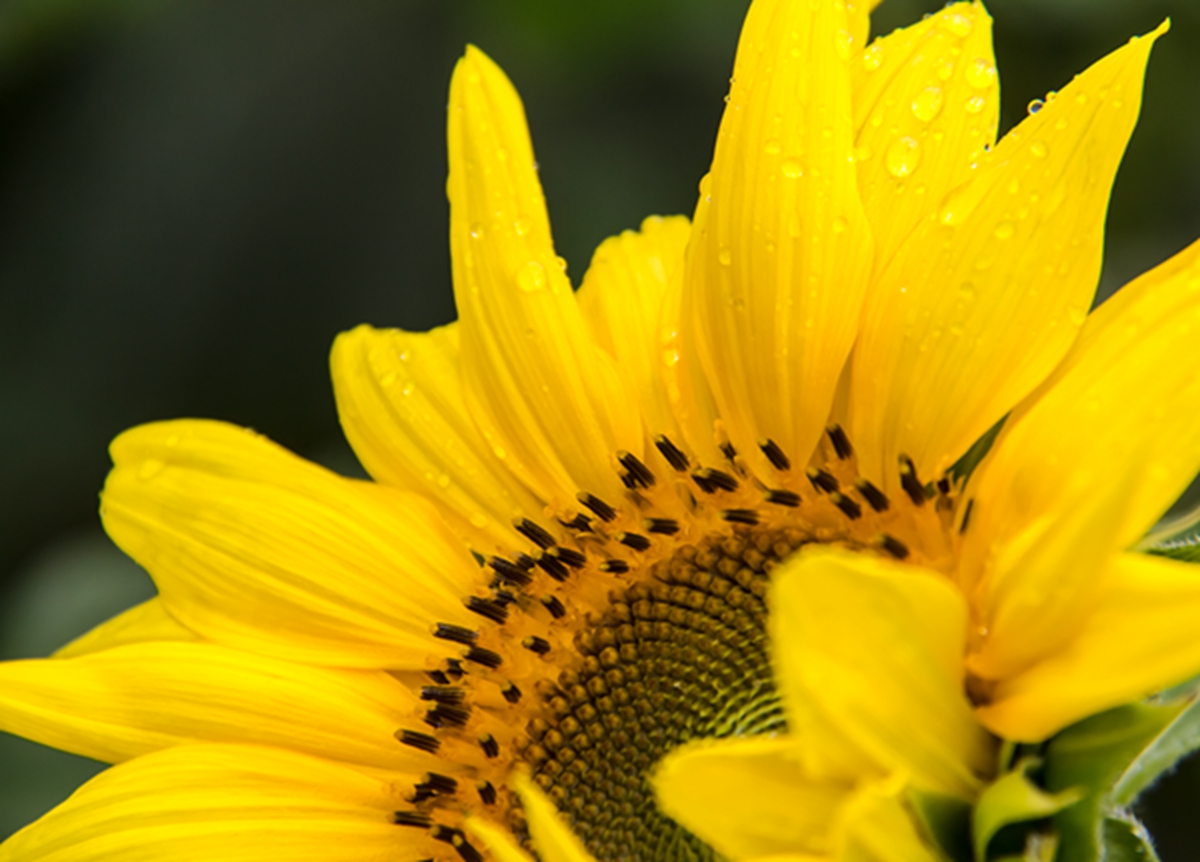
(712, 495)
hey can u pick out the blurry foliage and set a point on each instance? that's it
(196, 196)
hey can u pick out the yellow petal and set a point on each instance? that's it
(498, 840)
(622, 300)
(922, 116)
(781, 251)
(400, 401)
(1140, 638)
(148, 621)
(876, 826)
(257, 549)
(858, 15)
(1037, 588)
(988, 293)
(134, 699)
(233, 803)
(547, 400)
(554, 840)
(868, 656)
(1127, 397)
(749, 797)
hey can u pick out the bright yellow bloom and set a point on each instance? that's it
(583, 502)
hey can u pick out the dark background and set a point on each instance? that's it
(195, 197)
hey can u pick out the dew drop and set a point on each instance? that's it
(842, 42)
(927, 104)
(966, 291)
(771, 147)
(1081, 99)
(443, 480)
(150, 468)
(975, 104)
(903, 156)
(1077, 315)
(479, 520)
(959, 25)
(1036, 105)
(725, 256)
(531, 277)
(499, 452)
(523, 225)
(981, 73)
(670, 358)
(1005, 230)
(476, 231)
(873, 57)
(1038, 149)
(945, 69)
(792, 169)
(840, 224)
(862, 153)
(984, 263)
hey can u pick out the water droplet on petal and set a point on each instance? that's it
(842, 42)
(522, 225)
(443, 480)
(966, 291)
(725, 256)
(150, 468)
(1005, 230)
(840, 224)
(531, 277)
(1038, 149)
(792, 169)
(1077, 315)
(981, 73)
(476, 231)
(771, 147)
(975, 104)
(927, 104)
(862, 153)
(670, 358)
(945, 69)
(984, 262)
(873, 57)
(958, 24)
(903, 156)
(479, 520)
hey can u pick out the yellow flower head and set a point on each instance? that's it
(708, 496)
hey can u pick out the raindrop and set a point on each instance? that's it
(476, 231)
(945, 70)
(1038, 149)
(1005, 230)
(842, 42)
(771, 147)
(975, 104)
(981, 73)
(1036, 105)
(479, 520)
(531, 277)
(522, 225)
(1077, 315)
(840, 224)
(150, 468)
(927, 104)
(958, 24)
(873, 57)
(984, 262)
(862, 153)
(725, 256)
(903, 156)
(792, 169)
(670, 358)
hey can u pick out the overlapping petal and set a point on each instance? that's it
(138, 698)
(148, 621)
(924, 110)
(401, 405)
(987, 294)
(1139, 639)
(868, 656)
(255, 548)
(548, 401)
(781, 250)
(230, 802)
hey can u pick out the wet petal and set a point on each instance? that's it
(547, 400)
(1140, 638)
(868, 654)
(622, 300)
(553, 839)
(877, 826)
(1127, 397)
(148, 621)
(750, 797)
(255, 548)
(203, 802)
(781, 250)
(400, 401)
(134, 699)
(922, 116)
(987, 295)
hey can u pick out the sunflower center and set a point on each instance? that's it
(680, 656)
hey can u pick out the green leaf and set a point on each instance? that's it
(1014, 798)
(947, 820)
(965, 466)
(1181, 737)
(1093, 756)
(1126, 840)
(1175, 537)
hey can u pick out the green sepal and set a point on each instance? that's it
(1179, 739)
(1015, 798)
(946, 820)
(962, 469)
(1126, 840)
(1177, 538)
(1124, 747)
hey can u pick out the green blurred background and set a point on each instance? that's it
(196, 196)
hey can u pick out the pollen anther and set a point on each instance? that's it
(633, 540)
(458, 634)
(740, 516)
(909, 481)
(875, 498)
(598, 507)
(672, 453)
(775, 455)
(533, 643)
(533, 532)
(849, 508)
(663, 526)
(781, 497)
(637, 472)
(822, 480)
(841, 443)
(416, 739)
(892, 545)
